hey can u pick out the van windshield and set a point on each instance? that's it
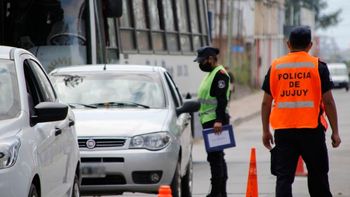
(338, 71)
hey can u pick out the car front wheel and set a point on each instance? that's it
(33, 191)
(76, 187)
(176, 182)
(186, 182)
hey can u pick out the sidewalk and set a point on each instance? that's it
(246, 107)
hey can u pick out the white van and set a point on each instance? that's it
(339, 75)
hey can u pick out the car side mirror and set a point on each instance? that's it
(49, 111)
(189, 106)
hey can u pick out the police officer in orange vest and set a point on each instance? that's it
(213, 94)
(297, 97)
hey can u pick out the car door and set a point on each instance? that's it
(183, 123)
(50, 135)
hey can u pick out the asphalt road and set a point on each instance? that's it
(248, 135)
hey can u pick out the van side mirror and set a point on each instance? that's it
(114, 8)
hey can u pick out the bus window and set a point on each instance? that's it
(172, 39)
(112, 49)
(204, 39)
(142, 26)
(126, 28)
(184, 27)
(156, 26)
(195, 23)
(194, 16)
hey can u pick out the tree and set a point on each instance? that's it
(322, 20)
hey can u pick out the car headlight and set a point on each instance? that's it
(9, 149)
(152, 141)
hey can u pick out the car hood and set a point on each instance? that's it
(9, 128)
(119, 122)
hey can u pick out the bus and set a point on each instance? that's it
(76, 32)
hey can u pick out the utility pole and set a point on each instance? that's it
(229, 33)
(221, 18)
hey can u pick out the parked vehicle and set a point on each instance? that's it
(339, 75)
(134, 128)
(39, 153)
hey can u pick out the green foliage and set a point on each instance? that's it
(242, 74)
(323, 20)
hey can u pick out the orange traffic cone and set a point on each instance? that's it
(300, 168)
(164, 191)
(252, 185)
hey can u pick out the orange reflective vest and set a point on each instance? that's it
(296, 89)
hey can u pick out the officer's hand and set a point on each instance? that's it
(267, 140)
(217, 128)
(335, 140)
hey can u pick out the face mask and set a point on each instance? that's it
(205, 67)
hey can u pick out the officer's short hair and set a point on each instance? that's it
(300, 37)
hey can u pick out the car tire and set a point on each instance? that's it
(176, 182)
(33, 192)
(347, 88)
(186, 182)
(76, 187)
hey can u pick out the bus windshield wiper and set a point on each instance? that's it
(120, 104)
(73, 105)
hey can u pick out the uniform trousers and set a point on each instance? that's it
(311, 145)
(218, 167)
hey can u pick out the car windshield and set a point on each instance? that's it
(127, 89)
(9, 95)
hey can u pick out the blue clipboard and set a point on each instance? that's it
(215, 142)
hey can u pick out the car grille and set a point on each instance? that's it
(103, 143)
(102, 160)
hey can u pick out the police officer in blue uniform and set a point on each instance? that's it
(218, 91)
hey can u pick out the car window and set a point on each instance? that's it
(39, 88)
(121, 87)
(174, 90)
(45, 88)
(9, 93)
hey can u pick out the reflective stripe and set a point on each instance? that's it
(207, 112)
(210, 111)
(208, 101)
(300, 104)
(295, 65)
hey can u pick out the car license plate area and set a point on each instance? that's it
(93, 171)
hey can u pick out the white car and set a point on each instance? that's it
(134, 128)
(39, 153)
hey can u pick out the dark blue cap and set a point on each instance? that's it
(204, 52)
(300, 36)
